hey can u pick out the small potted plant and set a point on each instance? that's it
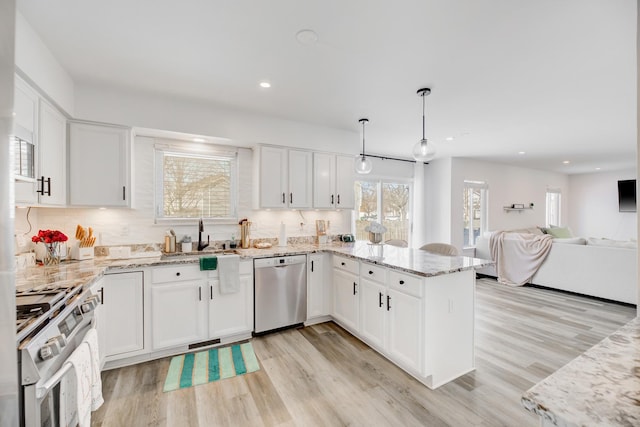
(51, 240)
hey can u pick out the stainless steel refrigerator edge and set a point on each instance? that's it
(280, 292)
(8, 356)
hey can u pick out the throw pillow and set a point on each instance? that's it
(562, 232)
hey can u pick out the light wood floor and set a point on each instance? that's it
(323, 376)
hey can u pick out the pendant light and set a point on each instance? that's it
(363, 164)
(422, 151)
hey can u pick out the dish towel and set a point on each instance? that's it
(85, 376)
(229, 273)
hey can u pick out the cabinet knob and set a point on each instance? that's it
(402, 282)
(370, 272)
(178, 273)
(342, 263)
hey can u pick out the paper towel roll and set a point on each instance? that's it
(282, 239)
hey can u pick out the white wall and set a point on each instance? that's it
(36, 64)
(129, 226)
(593, 206)
(507, 185)
(155, 111)
(437, 199)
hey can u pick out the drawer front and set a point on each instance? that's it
(346, 264)
(176, 273)
(406, 283)
(373, 272)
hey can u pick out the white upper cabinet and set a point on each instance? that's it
(284, 178)
(333, 180)
(25, 125)
(100, 165)
(300, 177)
(52, 163)
(25, 107)
(345, 178)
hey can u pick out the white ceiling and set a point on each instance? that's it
(553, 78)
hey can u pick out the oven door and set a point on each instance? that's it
(51, 401)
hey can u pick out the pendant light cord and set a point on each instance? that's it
(423, 120)
(363, 121)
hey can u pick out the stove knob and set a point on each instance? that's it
(61, 340)
(90, 304)
(50, 348)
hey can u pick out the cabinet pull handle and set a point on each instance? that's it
(354, 287)
(282, 197)
(101, 291)
(48, 186)
(380, 299)
(338, 199)
(124, 193)
(40, 185)
(402, 282)
(178, 273)
(211, 292)
(388, 302)
(199, 293)
(332, 199)
(290, 197)
(312, 266)
(370, 272)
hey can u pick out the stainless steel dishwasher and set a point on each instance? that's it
(280, 292)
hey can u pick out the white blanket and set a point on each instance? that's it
(518, 256)
(229, 271)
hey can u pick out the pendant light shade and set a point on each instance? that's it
(362, 163)
(424, 151)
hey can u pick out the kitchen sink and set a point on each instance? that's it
(199, 253)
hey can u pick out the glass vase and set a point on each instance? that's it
(51, 254)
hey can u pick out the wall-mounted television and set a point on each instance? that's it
(627, 195)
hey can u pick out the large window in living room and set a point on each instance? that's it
(386, 202)
(553, 206)
(474, 211)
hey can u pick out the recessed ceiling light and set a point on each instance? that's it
(449, 138)
(265, 85)
(198, 140)
(307, 37)
(521, 152)
(597, 169)
(566, 162)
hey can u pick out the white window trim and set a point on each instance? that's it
(379, 181)
(484, 207)
(191, 149)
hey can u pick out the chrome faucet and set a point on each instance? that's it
(201, 244)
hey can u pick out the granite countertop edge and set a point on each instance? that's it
(91, 270)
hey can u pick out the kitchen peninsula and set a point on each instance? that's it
(413, 307)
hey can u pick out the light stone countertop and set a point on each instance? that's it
(601, 387)
(72, 273)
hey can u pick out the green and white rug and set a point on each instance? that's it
(210, 365)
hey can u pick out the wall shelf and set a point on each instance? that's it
(511, 208)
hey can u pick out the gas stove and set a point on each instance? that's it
(51, 322)
(36, 306)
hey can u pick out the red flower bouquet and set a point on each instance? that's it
(51, 240)
(49, 236)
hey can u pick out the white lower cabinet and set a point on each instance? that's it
(319, 292)
(178, 315)
(231, 314)
(346, 300)
(122, 299)
(373, 312)
(188, 308)
(405, 335)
